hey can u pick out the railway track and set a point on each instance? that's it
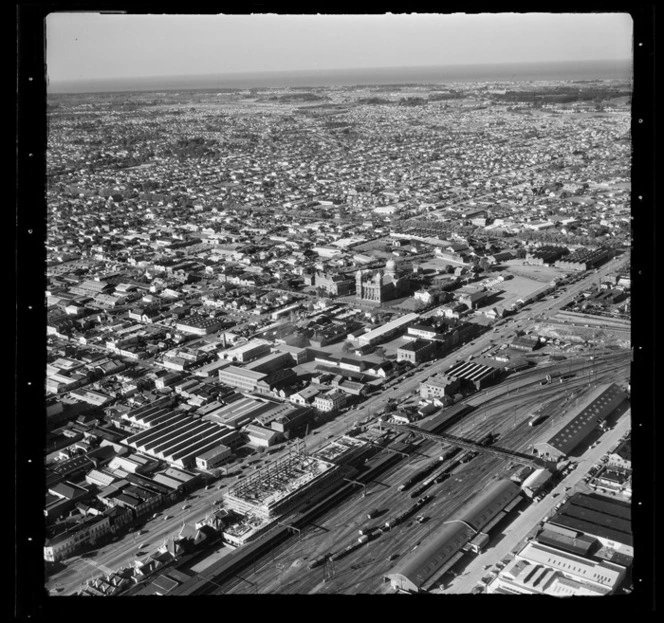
(271, 572)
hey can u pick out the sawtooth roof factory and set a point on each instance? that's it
(478, 375)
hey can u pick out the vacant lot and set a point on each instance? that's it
(542, 274)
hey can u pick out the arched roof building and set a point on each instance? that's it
(442, 548)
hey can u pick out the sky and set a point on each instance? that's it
(81, 46)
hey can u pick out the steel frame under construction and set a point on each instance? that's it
(280, 486)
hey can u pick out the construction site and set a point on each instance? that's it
(283, 486)
(343, 450)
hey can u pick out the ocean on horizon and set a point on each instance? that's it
(499, 72)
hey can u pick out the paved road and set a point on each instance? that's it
(124, 551)
(515, 533)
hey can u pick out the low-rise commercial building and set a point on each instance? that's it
(261, 436)
(213, 457)
(199, 325)
(246, 352)
(332, 400)
(388, 330)
(241, 378)
(67, 538)
(416, 351)
(439, 386)
(335, 284)
(588, 577)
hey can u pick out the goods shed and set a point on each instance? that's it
(488, 504)
(601, 403)
(442, 550)
(414, 570)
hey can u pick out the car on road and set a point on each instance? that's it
(186, 506)
(167, 517)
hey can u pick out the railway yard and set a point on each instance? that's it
(286, 569)
(344, 341)
(329, 545)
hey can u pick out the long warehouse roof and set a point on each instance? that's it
(416, 568)
(602, 402)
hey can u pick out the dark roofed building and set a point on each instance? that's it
(199, 325)
(473, 300)
(415, 351)
(478, 374)
(69, 468)
(445, 547)
(565, 539)
(525, 342)
(603, 401)
(546, 254)
(606, 519)
(68, 490)
(416, 568)
(483, 508)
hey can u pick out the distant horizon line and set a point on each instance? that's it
(256, 72)
(132, 82)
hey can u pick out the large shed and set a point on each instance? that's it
(416, 568)
(445, 546)
(601, 403)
